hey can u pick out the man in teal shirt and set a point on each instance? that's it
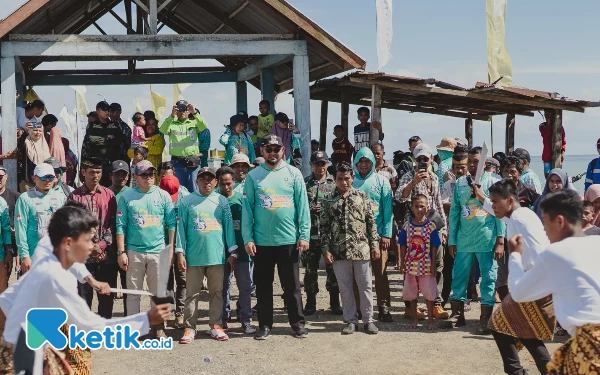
(275, 227)
(204, 236)
(33, 211)
(379, 191)
(142, 214)
(473, 233)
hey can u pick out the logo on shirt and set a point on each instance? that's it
(375, 206)
(146, 221)
(472, 211)
(274, 201)
(119, 214)
(19, 217)
(417, 248)
(206, 225)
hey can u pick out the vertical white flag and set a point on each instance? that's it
(499, 64)
(82, 107)
(70, 122)
(384, 32)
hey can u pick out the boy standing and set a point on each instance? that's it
(362, 131)
(419, 242)
(589, 213)
(139, 153)
(342, 148)
(265, 120)
(349, 243)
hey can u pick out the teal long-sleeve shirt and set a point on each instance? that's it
(5, 229)
(472, 229)
(275, 210)
(33, 211)
(142, 218)
(237, 144)
(205, 229)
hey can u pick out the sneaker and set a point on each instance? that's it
(263, 333)
(178, 321)
(350, 329)
(248, 328)
(300, 332)
(385, 315)
(371, 329)
(218, 333)
(188, 336)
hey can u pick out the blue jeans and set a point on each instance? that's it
(462, 270)
(244, 280)
(184, 175)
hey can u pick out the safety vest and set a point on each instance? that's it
(183, 137)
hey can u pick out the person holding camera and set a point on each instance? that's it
(422, 180)
(183, 133)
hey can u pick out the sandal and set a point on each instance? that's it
(188, 336)
(467, 305)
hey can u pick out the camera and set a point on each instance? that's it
(422, 166)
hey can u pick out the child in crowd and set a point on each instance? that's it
(236, 140)
(138, 137)
(253, 128)
(419, 242)
(139, 153)
(342, 148)
(265, 120)
(589, 213)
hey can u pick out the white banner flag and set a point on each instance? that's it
(384, 32)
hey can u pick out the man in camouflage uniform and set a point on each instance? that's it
(349, 243)
(319, 186)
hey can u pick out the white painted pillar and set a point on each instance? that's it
(9, 116)
(375, 113)
(302, 107)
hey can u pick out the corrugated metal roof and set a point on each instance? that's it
(327, 56)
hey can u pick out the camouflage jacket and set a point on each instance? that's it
(351, 229)
(317, 191)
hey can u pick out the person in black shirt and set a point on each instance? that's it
(10, 196)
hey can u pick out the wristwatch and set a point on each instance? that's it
(120, 252)
(234, 254)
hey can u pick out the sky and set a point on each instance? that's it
(552, 46)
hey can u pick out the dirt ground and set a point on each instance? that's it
(397, 349)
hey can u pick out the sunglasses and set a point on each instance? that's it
(275, 150)
(36, 125)
(147, 176)
(2, 175)
(47, 178)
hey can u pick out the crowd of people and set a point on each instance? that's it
(508, 240)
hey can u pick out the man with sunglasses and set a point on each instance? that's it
(58, 171)
(104, 139)
(275, 227)
(143, 213)
(33, 211)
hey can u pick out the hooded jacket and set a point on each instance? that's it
(378, 190)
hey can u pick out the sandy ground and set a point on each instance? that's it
(397, 348)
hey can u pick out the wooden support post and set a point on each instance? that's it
(323, 134)
(345, 104)
(302, 108)
(469, 131)
(267, 87)
(375, 113)
(9, 116)
(20, 89)
(153, 17)
(241, 96)
(510, 133)
(557, 129)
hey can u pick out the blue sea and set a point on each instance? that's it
(573, 165)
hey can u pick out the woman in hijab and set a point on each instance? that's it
(289, 134)
(53, 136)
(36, 150)
(593, 195)
(71, 160)
(557, 181)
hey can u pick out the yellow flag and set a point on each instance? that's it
(138, 107)
(30, 95)
(159, 103)
(499, 65)
(178, 91)
(81, 103)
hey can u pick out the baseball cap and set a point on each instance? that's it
(143, 166)
(447, 144)
(462, 141)
(103, 105)
(422, 150)
(3, 169)
(522, 154)
(272, 140)
(115, 107)
(55, 163)
(182, 105)
(598, 143)
(170, 184)
(240, 158)
(206, 170)
(43, 169)
(236, 119)
(492, 161)
(119, 165)
(319, 156)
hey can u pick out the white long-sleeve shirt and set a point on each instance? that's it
(49, 285)
(569, 271)
(525, 222)
(45, 248)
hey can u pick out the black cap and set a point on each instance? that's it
(119, 165)
(115, 107)
(244, 114)
(95, 163)
(272, 140)
(103, 105)
(236, 119)
(598, 143)
(55, 163)
(182, 105)
(207, 170)
(522, 154)
(319, 156)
